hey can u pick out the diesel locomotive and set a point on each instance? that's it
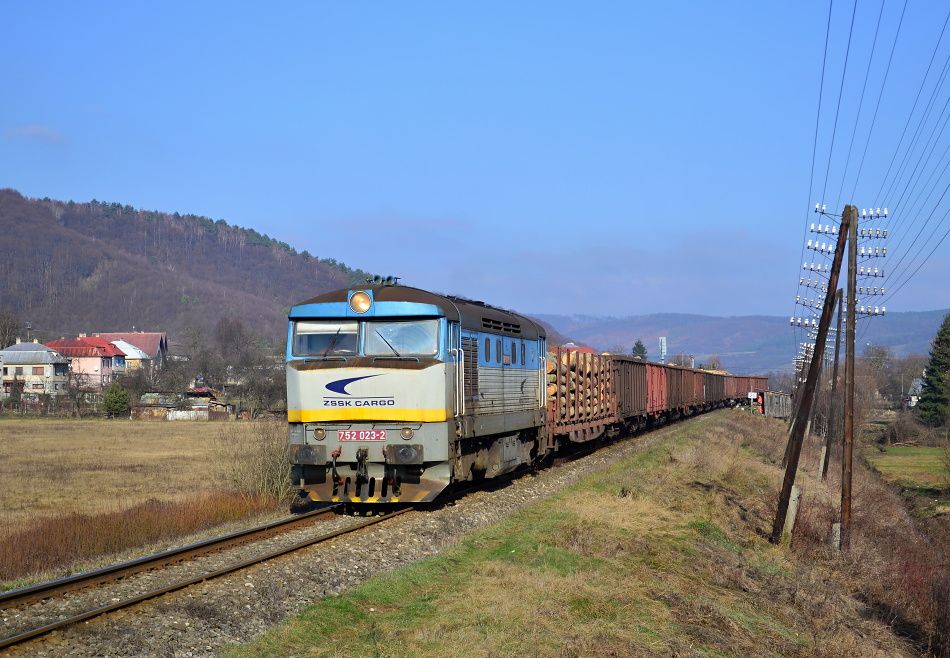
(393, 393)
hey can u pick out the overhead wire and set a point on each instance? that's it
(857, 120)
(844, 72)
(922, 262)
(912, 110)
(912, 145)
(814, 149)
(880, 96)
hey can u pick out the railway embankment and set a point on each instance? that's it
(659, 550)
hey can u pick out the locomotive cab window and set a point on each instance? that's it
(401, 338)
(325, 338)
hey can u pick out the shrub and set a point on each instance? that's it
(252, 458)
(115, 401)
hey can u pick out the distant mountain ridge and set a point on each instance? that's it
(745, 344)
(70, 267)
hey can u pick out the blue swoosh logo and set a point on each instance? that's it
(339, 386)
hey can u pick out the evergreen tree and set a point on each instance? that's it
(639, 350)
(115, 401)
(935, 395)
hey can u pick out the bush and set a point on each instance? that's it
(252, 459)
(115, 401)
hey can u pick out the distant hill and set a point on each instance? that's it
(754, 343)
(71, 267)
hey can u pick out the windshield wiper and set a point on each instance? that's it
(332, 341)
(388, 343)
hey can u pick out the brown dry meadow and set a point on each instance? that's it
(53, 467)
(663, 553)
(77, 490)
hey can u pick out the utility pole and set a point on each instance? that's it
(848, 446)
(832, 428)
(848, 219)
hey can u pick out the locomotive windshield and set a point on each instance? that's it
(334, 338)
(401, 338)
(326, 338)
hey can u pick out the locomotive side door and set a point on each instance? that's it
(516, 389)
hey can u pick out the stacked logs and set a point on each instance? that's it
(578, 384)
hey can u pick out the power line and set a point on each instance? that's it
(939, 242)
(917, 132)
(880, 95)
(814, 148)
(857, 119)
(844, 71)
(912, 109)
(929, 217)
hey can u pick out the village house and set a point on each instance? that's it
(93, 359)
(36, 368)
(153, 343)
(135, 358)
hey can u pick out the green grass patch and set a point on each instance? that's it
(912, 466)
(708, 530)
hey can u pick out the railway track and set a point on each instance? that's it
(43, 591)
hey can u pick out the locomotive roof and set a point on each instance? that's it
(473, 315)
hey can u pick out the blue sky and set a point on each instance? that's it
(598, 158)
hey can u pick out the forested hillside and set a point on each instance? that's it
(71, 267)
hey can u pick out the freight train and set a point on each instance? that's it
(394, 393)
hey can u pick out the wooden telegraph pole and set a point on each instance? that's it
(848, 220)
(847, 448)
(832, 426)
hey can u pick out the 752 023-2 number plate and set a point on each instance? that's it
(361, 435)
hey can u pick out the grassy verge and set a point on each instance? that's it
(660, 554)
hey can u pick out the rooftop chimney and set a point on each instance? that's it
(17, 340)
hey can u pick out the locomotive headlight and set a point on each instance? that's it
(360, 302)
(406, 433)
(319, 434)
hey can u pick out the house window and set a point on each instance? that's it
(4, 371)
(38, 370)
(18, 371)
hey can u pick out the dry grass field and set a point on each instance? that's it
(50, 467)
(77, 492)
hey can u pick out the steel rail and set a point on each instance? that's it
(151, 594)
(120, 570)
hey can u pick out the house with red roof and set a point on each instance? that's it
(92, 357)
(153, 343)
